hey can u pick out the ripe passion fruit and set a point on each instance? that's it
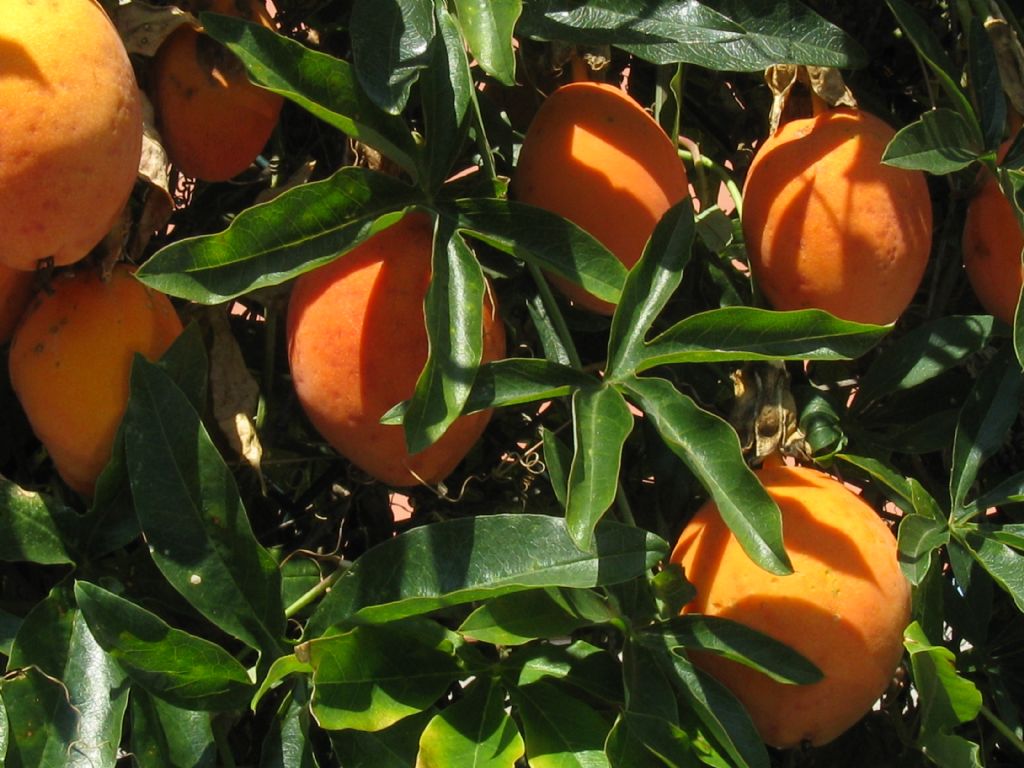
(992, 246)
(828, 226)
(594, 156)
(845, 606)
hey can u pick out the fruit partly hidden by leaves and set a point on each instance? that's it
(844, 607)
(356, 346)
(992, 246)
(213, 120)
(70, 130)
(594, 156)
(15, 293)
(70, 361)
(828, 226)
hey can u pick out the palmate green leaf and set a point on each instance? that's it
(192, 516)
(473, 732)
(163, 734)
(372, 676)
(602, 421)
(736, 35)
(394, 747)
(34, 528)
(543, 238)
(454, 308)
(922, 354)
(989, 412)
(65, 698)
(323, 85)
(747, 333)
(741, 644)
(649, 285)
(1009, 491)
(186, 671)
(390, 47)
(1004, 564)
(446, 93)
(594, 671)
(461, 560)
(919, 538)
(940, 142)
(488, 26)
(711, 449)
(520, 617)
(560, 730)
(273, 242)
(288, 742)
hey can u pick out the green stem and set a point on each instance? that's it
(1004, 730)
(555, 315)
(722, 174)
(316, 592)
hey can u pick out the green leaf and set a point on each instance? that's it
(271, 243)
(986, 84)
(282, 667)
(940, 142)
(473, 732)
(602, 422)
(488, 26)
(4, 735)
(636, 738)
(560, 730)
(737, 35)
(935, 56)
(184, 670)
(394, 747)
(390, 45)
(192, 516)
(323, 85)
(741, 644)
(372, 676)
(33, 528)
(919, 537)
(1008, 491)
(649, 285)
(65, 698)
(747, 333)
(545, 239)
(922, 354)
(163, 734)
(557, 460)
(519, 617)
(594, 671)
(446, 92)
(465, 559)
(454, 307)
(9, 624)
(711, 449)
(989, 412)
(1003, 564)
(288, 743)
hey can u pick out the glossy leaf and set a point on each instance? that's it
(163, 734)
(488, 26)
(33, 527)
(940, 142)
(594, 671)
(741, 644)
(65, 698)
(635, 739)
(446, 92)
(919, 538)
(1004, 564)
(323, 85)
(289, 743)
(519, 617)
(390, 44)
(466, 559)
(9, 624)
(711, 449)
(184, 670)
(394, 747)
(192, 516)
(746, 333)
(991, 408)
(473, 732)
(454, 308)
(649, 285)
(545, 239)
(557, 460)
(602, 422)
(560, 730)
(372, 676)
(1009, 491)
(268, 244)
(986, 84)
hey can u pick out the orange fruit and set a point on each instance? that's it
(72, 130)
(828, 226)
(70, 361)
(594, 156)
(357, 344)
(992, 244)
(213, 120)
(15, 292)
(844, 607)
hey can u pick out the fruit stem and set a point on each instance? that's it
(555, 315)
(720, 172)
(317, 591)
(1004, 730)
